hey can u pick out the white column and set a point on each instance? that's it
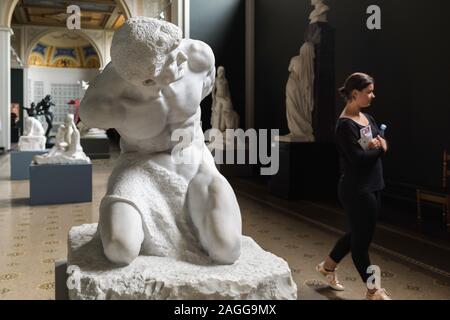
(131, 8)
(181, 15)
(5, 87)
(176, 14)
(187, 19)
(249, 64)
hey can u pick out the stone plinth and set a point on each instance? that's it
(258, 274)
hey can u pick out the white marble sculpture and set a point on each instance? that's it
(91, 133)
(67, 148)
(174, 226)
(319, 14)
(154, 205)
(33, 138)
(300, 96)
(85, 131)
(84, 85)
(223, 115)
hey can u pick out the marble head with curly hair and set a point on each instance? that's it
(139, 48)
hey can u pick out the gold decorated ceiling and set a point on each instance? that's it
(98, 14)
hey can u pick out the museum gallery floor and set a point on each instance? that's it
(34, 237)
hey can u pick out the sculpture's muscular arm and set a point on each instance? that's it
(201, 60)
(101, 107)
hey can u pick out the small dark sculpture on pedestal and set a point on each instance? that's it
(43, 108)
(31, 111)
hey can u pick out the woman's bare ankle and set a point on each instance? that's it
(329, 264)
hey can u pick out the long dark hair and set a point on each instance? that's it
(356, 81)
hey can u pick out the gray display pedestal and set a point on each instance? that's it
(61, 276)
(95, 148)
(60, 183)
(20, 163)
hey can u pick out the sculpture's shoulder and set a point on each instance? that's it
(200, 55)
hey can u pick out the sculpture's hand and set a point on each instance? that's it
(200, 56)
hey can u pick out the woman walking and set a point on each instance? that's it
(361, 181)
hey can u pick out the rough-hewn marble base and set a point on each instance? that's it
(258, 274)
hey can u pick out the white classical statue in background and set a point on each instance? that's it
(85, 131)
(67, 148)
(154, 204)
(319, 14)
(300, 95)
(84, 85)
(223, 115)
(91, 133)
(33, 138)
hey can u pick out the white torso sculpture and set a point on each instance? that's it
(33, 138)
(222, 114)
(300, 95)
(67, 148)
(319, 14)
(156, 204)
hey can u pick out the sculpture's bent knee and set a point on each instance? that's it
(216, 215)
(121, 232)
(225, 252)
(119, 252)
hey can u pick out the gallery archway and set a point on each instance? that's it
(178, 11)
(6, 17)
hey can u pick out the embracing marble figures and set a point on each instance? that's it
(156, 205)
(319, 14)
(223, 115)
(67, 148)
(300, 85)
(33, 138)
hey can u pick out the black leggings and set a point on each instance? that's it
(362, 212)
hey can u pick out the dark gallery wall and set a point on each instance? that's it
(409, 58)
(279, 28)
(17, 89)
(221, 24)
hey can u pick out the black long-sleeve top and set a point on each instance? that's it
(362, 170)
